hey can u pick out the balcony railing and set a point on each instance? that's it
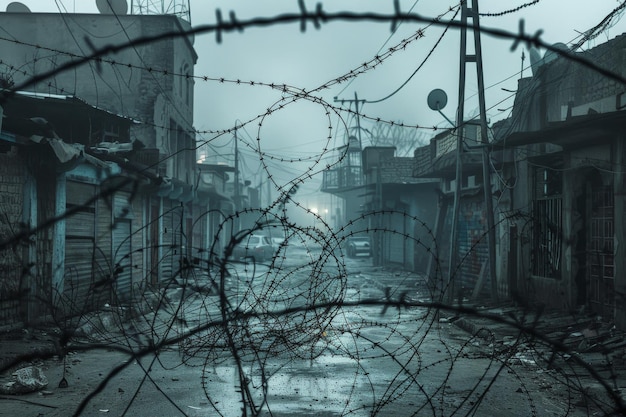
(147, 156)
(342, 178)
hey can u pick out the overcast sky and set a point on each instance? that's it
(282, 54)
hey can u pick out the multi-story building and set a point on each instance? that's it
(149, 85)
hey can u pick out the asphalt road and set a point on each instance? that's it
(281, 354)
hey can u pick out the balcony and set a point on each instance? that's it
(146, 156)
(439, 157)
(342, 179)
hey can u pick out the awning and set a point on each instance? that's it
(575, 132)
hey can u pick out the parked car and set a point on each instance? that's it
(276, 242)
(357, 245)
(257, 248)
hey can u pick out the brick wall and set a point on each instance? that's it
(569, 82)
(11, 207)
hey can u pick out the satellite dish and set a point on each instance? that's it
(17, 7)
(116, 7)
(437, 99)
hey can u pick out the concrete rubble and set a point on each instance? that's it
(25, 380)
(575, 345)
(578, 345)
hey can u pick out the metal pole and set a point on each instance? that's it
(491, 233)
(449, 288)
(236, 191)
(358, 118)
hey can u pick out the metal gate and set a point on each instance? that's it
(600, 256)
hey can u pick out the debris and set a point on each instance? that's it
(25, 380)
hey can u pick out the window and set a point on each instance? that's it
(185, 83)
(547, 224)
(355, 159)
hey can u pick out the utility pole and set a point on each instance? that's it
(471, 12)
(236, 190)
(356, 102)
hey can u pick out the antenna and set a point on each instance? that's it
(180, 8)
(116, 7)
(17, 7)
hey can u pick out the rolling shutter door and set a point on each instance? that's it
(122, 239)
(102, 264)
(396, 238)
(78, 294)
(167, 241)
(473, 242)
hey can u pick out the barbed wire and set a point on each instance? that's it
(258, 317)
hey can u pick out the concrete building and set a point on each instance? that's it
(562, 156)
(404, 209)
(71, 239)
(469, 277)
(151, 83)
(146, 86)
(383, 200)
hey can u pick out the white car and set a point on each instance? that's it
(257, 248)
(276, 242)
(358, 245)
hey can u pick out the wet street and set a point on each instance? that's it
(288, 348)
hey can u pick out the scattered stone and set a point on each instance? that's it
(25, 380)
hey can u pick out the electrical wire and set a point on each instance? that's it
(395, 29)
(428, 55)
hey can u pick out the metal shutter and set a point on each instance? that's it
(79, 283)
(122, 246)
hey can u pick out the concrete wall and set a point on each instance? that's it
(136, 82)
